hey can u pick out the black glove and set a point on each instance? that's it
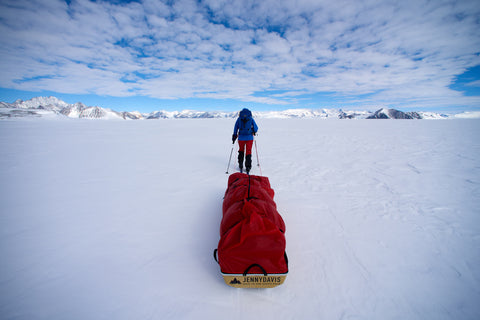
(234, 137)
(254, 133)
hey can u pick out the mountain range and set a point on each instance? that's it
(54, 107)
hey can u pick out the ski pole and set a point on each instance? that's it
(231, 151)
(258, 162)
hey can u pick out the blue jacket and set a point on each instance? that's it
(242, 134)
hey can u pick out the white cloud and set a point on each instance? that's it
(473, 84)
(390, 51)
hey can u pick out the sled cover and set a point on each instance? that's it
(251, 250)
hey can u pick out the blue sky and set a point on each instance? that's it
(223, 55)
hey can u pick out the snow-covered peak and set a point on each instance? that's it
(433, 115)
(79, 110)
(385, 113)
(40, 102)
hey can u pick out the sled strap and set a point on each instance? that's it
(254, 265)
(248, 194)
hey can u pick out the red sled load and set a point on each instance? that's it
(251, 250)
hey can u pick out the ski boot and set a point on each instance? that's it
(248, 163)
(240, 160)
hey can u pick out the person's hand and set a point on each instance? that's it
(234, 137)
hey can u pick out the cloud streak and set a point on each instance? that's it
(366, 52)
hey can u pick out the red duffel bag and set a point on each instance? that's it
(251, 250)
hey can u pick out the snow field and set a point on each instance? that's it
(387, 216)
(118, 220)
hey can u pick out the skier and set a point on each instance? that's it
(245, 129)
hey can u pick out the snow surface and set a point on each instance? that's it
(118, 220)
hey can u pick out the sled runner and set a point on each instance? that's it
(251, 250)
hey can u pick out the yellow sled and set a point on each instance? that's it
(254, 280)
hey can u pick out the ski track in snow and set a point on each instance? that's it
(118, 220)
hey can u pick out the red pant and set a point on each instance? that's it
(245, 144)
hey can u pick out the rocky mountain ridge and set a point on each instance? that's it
(52, 106)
